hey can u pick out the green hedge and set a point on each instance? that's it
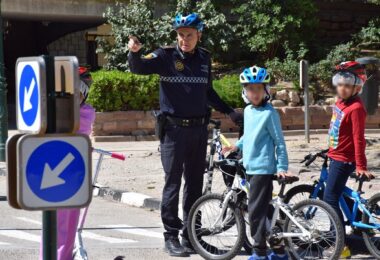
(229, 89)
(119, 91)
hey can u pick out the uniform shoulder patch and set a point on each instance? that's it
(150, 56)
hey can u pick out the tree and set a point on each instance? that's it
(264, 25)
(136, 18)
(218, 31)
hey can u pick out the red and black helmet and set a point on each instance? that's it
(347, 68)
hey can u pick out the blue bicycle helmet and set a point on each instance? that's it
(255, 75)
(191, 20)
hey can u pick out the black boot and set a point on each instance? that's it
(174, 248)
(186, 244)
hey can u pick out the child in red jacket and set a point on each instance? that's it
(346, 133)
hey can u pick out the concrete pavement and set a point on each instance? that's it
(116, 229)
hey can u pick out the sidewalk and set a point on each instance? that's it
(138, 181)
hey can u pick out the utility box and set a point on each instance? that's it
(370, 93)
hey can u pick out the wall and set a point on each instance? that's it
(73, 44)
(140, 123)
(339, 19)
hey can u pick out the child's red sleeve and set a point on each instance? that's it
(358, 117)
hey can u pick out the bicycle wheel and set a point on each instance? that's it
(326, 240)
(372, 236)
(213, 238)
(300, 193)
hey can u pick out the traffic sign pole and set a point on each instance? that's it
(49, 217)
(3, 97)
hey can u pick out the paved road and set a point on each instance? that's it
(112, 230)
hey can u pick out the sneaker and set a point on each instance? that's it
(346, 253)
(254, 256)
(274, 256)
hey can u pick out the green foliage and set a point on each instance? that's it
(288, 68)
(263, 25)
(321, 72)
(135, 18)
(369, 36)
(376, 2)
(229, 89)
(118, 91)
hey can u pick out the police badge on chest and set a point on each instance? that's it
(179, 65)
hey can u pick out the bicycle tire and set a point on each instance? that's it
(333, 217)
(195, 240)
(372, 248)
(301, 189)
(247, 245)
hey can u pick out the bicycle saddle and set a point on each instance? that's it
(286, 180)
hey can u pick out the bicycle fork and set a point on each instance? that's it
(223, 211)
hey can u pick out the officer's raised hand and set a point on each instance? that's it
(134, 45)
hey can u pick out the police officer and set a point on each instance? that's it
(185, 95)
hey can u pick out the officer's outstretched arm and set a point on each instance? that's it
(148, 64)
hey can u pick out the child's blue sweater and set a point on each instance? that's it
(263, 144)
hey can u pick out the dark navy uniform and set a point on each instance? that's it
(185, 93)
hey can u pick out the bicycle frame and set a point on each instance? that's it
(277, 203)
(359, 202)
(210, 166)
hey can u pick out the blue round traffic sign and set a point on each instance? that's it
(55, 171)
(28, 95)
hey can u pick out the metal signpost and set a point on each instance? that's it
(304, 84)
(49, 166)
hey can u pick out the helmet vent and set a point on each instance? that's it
(254, 69)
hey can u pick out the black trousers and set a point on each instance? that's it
(183, 153)
(260, 195)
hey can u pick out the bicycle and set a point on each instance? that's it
(362, 215)
(306, 235)
(215, 146)
(79, 252)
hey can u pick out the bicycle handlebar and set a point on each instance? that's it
(118, 156)
(112, 155)
(310, 158)
(214, 122)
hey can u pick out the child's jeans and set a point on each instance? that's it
(260, 195)
(339, 172)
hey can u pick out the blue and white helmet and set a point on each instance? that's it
(192, 20)
(255, 75)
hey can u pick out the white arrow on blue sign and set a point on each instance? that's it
(31, 94)
(54, 171)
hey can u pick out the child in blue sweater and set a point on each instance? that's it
(264, 154)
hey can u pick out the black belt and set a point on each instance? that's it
(188, 122)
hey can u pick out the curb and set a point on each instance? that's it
(133, 199)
